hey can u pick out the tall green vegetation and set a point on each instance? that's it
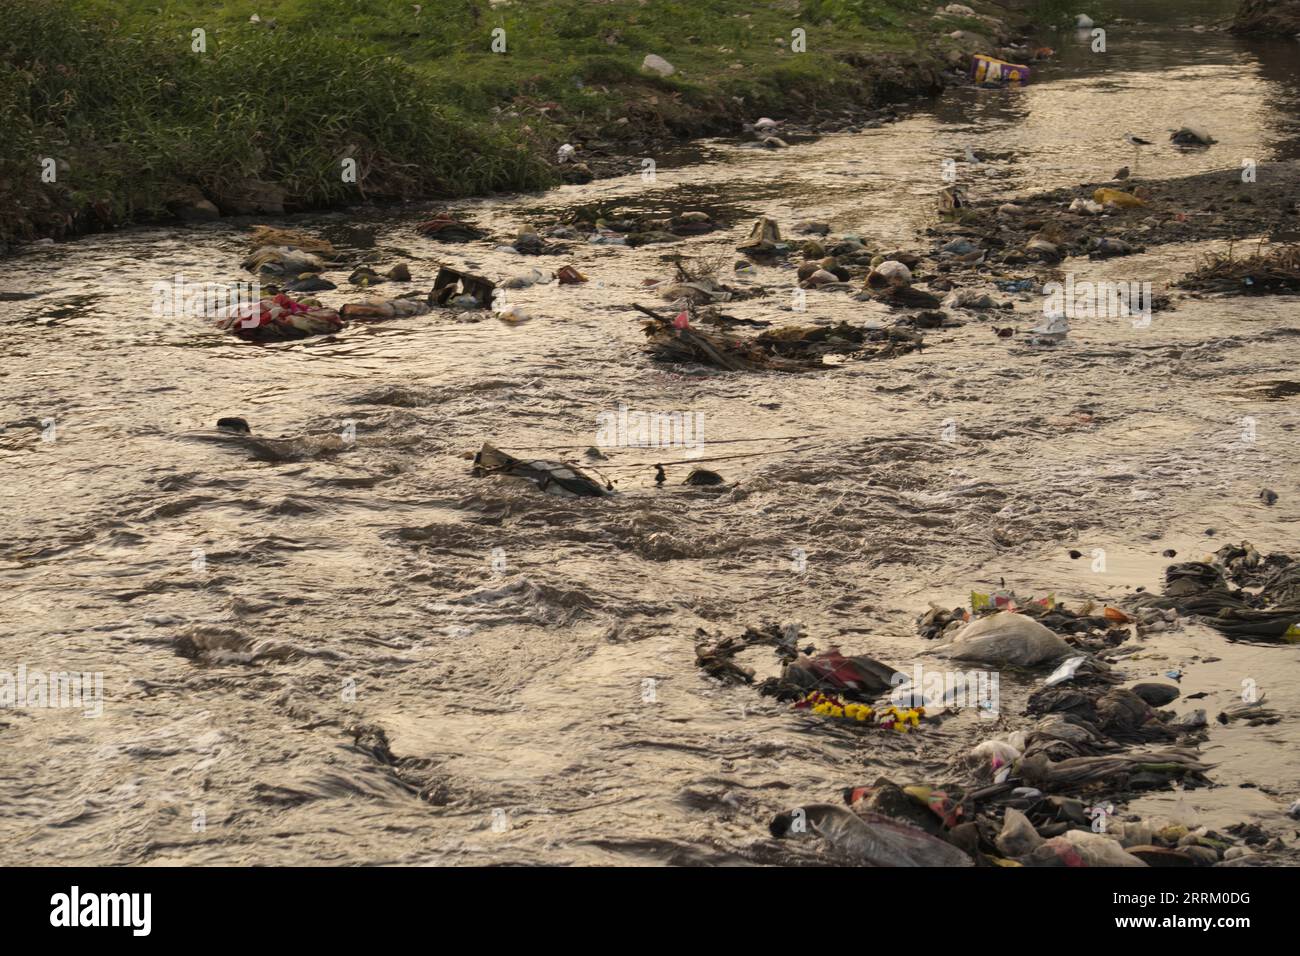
(113, 91)
(130, 117)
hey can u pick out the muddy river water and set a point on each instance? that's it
(347, 650)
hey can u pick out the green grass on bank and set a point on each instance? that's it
(569, 52)
(414, 92)
(129, 116)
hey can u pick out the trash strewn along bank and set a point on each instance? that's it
(1054, 791)
(113, 117)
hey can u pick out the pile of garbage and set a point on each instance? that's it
(804, 672)
(950, 825)
(784, 349)
(457, 289)
(283, 261)
(1096, 221)
(272, 236)
(294, 262)
(1046, 794)
(378, 310)
(1001, 628)
(826, 685)
(1239, 592)
(1015, 819)
(716, 655)
(1261, 273)
(281, 318)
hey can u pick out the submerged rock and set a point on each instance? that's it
(1192, 136)
(309, 282)
(446, 228)
(1155, 694)
(703, 477)
(904, 297)
(193, 206)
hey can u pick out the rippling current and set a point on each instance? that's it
(320, 650)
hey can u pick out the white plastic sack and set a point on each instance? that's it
(1006, 638)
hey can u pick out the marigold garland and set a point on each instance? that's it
(891, 718)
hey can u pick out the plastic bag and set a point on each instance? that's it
(1098, 849)
(1018, 837)
(1065, 672)
(988, 69)
(1006, 638)
(1116, 197)
(870, 837)
(993, 759)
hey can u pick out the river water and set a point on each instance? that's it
(266, 614)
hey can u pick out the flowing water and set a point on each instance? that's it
(266, 614)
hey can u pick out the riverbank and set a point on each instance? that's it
(129, 115)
